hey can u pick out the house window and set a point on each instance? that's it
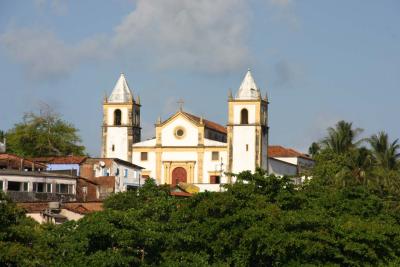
(64, 188)
(244, 116)
(126, 173)
(113, 148)
(215, 179)
(117, 117)
(18, 186)
(48, 189)
(143, 156)
(39, 187)
(179, 132)
(215, 155)
(247, 147)
(1, 185)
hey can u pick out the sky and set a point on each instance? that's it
(318, 61)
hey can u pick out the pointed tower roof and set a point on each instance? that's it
(121, 92)
(248, 89)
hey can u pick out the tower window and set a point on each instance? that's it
(215, 155)
(117, 117)
(244, 116)
(113, 147)
(143, 156)
(247, 147)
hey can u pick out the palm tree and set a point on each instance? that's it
(357, 168)
(314, 149)
(386, 154)
(342, 138)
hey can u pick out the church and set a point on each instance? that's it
(189, 148)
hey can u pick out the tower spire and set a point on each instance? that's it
(248, 88)
(121, 92)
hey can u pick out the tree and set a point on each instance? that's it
(342, 138)
(385, 153)
(314, 149)
(44, 134)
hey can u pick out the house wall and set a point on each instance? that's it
(280, 168)
(212, 167)
(244, 159)
(190, 137)
(92, 193)
(117, 136)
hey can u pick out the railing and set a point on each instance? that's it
(17, 196)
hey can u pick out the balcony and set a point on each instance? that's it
(18, 196)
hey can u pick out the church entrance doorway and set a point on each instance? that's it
(179, 175)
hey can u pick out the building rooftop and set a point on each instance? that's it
(248, 89)
(208, 124)
(280, 151)
(60, 159)
(37, 174)
(19, 162)
(121, 92)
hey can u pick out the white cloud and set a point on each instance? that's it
(44, 56)
(208, 36)
(203, 35)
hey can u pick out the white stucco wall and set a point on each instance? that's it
(148, 165)
(210, 165)
(280, 168)
(117, 136)
(190, 137)
(243, 159)
(292, 160)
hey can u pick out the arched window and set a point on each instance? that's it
(117, 117)
(244, 116)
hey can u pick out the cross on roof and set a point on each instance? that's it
(181, 102)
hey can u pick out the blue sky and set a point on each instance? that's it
(319, 61)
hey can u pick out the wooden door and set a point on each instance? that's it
(179, 175)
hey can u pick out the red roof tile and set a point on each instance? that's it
(209, 124)
(280, 151)
(60, 159)
(12, 157)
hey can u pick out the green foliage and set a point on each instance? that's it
(386, 154)
(43, 134)
(342, 138)
(261, 220)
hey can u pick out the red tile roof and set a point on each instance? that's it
(15, 158)
(78, 207)
(209, 124)
(280, 151)
(83, 207)
(180, 194)
(60, 159)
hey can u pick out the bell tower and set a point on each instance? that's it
(247, 128)
(121, 122)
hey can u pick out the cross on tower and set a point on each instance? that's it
(181, 102)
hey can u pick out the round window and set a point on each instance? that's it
(179, 132)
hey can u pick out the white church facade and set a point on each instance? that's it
(189, 148)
